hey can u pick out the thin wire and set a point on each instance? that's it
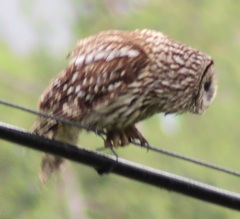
(189, 159)
(53, 117)
(101, 133)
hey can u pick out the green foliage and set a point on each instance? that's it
(211, 26)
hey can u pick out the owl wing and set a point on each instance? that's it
(98, 73)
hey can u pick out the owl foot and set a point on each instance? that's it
(134, 134)
(116, 138)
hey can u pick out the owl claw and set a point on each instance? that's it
(116, 138)
(123, 137)
(134, 134)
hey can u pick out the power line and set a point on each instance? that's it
(101, 133)
(189, 159)
(46, 115)
(124, 168)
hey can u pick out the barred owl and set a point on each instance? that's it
(118, 78)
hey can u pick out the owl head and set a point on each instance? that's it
(207, 89)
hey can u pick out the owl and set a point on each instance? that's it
(118, 78)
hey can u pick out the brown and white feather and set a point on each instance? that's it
(117, 78)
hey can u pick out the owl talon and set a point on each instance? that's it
(121, 138)
(124, 139)
(134, 134)
(116, 138)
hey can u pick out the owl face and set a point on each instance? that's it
(207, 90)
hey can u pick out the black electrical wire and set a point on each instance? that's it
(100, 133)
(124, 168)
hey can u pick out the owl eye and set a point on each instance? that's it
(207, 86)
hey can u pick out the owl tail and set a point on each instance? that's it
(50, 166)
(53, 130)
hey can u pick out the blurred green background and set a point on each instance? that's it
(35, 37)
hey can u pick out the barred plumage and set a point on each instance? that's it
(117, 78)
